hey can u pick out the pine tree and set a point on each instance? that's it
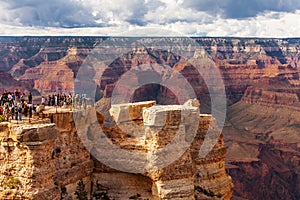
(80, 192)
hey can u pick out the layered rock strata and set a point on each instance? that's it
(42, 161)
(263, 143)
(46, 160)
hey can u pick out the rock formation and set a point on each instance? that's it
(261, 78)
(40, 161)
(242, 62)
(7, 82)
(271, 98)
(46, 160)
(262, 138)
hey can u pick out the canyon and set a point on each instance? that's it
(47, 158)
(262, 139)
(260, 76)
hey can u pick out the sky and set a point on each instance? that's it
(241, 18)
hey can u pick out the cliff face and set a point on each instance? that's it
(242, 62)
(262, 138)
(7, 82)
(46, 160)
(40, 161)
(270, 98)
(52, 76)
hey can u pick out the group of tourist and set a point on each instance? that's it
(57, 99)
(77, 101)
(14, 97)
(15, 104)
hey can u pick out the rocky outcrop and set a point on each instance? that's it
(47, 159)
(41, 161)
(188, 177)
(44, 55)
(34, 50)
(273, 176)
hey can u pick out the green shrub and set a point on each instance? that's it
(80, 192)
(2, 118)
(11, 182)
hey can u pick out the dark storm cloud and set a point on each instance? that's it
(54, 13)
(239, 9)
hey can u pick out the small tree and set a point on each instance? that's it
(80, 192)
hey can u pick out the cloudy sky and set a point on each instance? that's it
(254, 18)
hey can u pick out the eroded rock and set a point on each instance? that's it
(47, 160)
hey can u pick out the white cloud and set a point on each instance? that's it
(174, 12)
(101, 17)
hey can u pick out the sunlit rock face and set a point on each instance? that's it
(47, 159)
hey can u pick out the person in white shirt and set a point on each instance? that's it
(43, 100)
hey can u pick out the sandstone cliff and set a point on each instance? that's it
(41, 161)
(47, 159)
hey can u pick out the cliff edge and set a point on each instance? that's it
(46, 160)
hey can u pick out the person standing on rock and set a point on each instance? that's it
(7, 111)
(25, 110)
(16, 112)
(7, 114)
(43, 100)
(12, 112)
(17, 95)
(30, 112)
(19, 111)
(23, 98)
(55, 100)
(30, 98)
(49, 100)
(10, 99)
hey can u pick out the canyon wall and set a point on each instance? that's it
(42, 161)
(242, 62)
(267, 98)
(46, 160)
(262, 139)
